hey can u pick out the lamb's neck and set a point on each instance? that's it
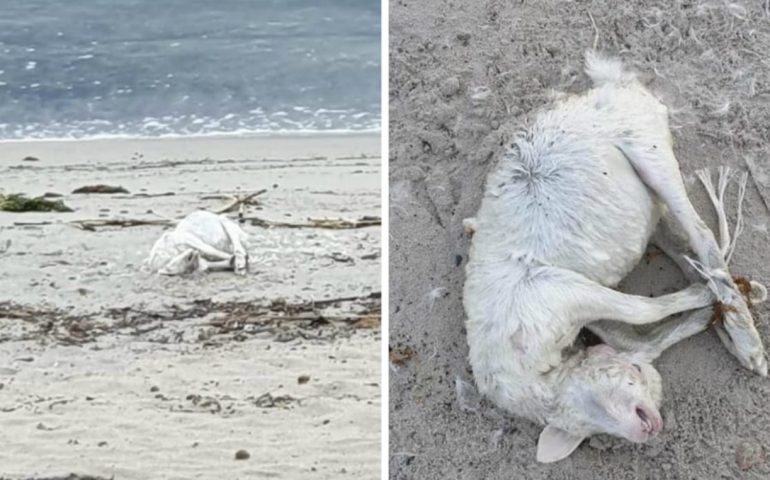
(541, 400)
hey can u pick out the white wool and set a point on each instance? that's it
(200, 241)
(565, 216)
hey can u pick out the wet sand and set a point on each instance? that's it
(464, 77)
(109, 370)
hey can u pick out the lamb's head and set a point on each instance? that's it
(608, 392)
(186, 262)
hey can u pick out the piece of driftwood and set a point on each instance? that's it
(327, 223)
(238, 201)
(277, 315)
(324, 223)
(31, 224)
(92, 225)
(101, 188)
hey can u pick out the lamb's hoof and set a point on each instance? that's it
(758, 292)
(750, 354)
(240, 265)
(469, 225)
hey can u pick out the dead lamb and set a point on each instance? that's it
(566, 214)
(201, 241)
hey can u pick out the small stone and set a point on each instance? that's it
(30, 159)
(242, 455)
(303, 379)
(450, 86)
(748, 454)
(155, 388)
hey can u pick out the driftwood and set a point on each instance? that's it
(278, 315)
(31, 224)
(328, 223)
(92, 225)
(101, 188)
(239, 201)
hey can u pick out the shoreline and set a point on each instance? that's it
(243, 134)
(134, 152)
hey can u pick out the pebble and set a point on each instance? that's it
(242, 455)
(303, 379)
(748, 454)
(450, 86)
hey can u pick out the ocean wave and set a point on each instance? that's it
(301, 120)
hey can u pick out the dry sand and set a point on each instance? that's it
(108, 370)
(463, 77)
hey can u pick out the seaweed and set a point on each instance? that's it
(17, 202)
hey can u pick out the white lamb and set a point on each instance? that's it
(201, 241)
(567, 213)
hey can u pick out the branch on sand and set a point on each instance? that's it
(280, 311)
(92, 225)
(277, 316)
(101, 188)
(239, 202)
(328, 223)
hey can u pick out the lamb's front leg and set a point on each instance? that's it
(650, 345)
(656, 165)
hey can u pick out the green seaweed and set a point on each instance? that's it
(17, 202)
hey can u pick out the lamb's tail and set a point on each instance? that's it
(603, 70)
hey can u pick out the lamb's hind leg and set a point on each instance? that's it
(656, 165)
(650, 345)
(241, 257)
(589, 301)
(670, 238)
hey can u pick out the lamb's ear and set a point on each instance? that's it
(556, 444)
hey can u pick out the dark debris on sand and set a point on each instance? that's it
(214, 322)
(17, 202)
(71, 476)
(100, 189)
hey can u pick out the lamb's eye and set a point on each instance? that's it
(637, 367)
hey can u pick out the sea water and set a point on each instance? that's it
(96, 68)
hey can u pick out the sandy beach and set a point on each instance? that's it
(110, 371)
(463, 79)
